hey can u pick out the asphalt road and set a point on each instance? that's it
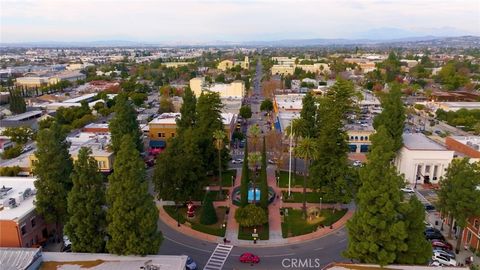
(313, 254)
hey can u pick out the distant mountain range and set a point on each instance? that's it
(460, 41)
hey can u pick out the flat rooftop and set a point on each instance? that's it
(97, 261)
(80, 98)
(166, 118)
(14, 187)
(289, 102)
(418, 141)
(461, 104)
(22, 116)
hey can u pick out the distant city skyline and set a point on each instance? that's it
(233, 20)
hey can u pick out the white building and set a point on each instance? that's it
(235, 89)
(422, 160)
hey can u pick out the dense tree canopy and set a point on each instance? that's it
(132, 215)
(86, 227)
(124, 122)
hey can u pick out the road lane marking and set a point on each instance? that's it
(320, 248)
(343, 240)
(185, 245)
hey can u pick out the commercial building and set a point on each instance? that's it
(286, 108)
(235, 89)
(46, 79)
(32, 81)
(20, 225)
(453, 106)
(467, 146)
(35, 258)
(471, 233)
(289, 69)
(422, 160)
(164, 127)
(359, 137)
(5, 144)
(176, 64)
(98, 143)
(228, 64)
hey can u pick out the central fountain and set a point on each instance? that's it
(250, 194)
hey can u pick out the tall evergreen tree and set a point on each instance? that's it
(219, 141)
(376, 232)
(86, 227)
(308, 115)
(245, 178)
(208, 215)
(208, 121)
(124, 122)
(330, 169)
(52, 168)
(393, 115)
(419, 250)
(17, 102)
(306, 150)
(188, 111)
(459, 194)
(263, 178)
(179, 170)
(132, 215)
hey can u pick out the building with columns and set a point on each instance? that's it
(421, 160)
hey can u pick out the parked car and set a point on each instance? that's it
(427, 225)
(191, 264)
(439, 243)
(434, 235)
(237, 161)
(444, 260)
(429, 208)
(249, 258)
(407, 190)
(442, 252)
(431, 230)
(27, 148)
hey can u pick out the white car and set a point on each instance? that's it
(270, 161)
(407, 190)
(237, 161)
(439, 252)
(444, 260)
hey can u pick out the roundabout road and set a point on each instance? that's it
(319, 252)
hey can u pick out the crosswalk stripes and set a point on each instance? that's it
(218, 257)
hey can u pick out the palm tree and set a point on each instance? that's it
(306, 150)
(253, 160)
(296, 130)
(219, 137)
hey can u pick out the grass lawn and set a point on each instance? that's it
(194, 223)
(295, 225)
(312, 197)
(297, 180)
(226, 176)
(245, 233)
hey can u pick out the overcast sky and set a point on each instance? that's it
(233, 20)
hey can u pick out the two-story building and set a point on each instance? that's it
(20, 225)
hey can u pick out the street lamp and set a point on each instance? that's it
(290, 161)
(233, 183)
(321, 203)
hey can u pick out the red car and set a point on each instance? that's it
(249, 258)
(441, 244)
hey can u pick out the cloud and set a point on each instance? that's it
(204, 20)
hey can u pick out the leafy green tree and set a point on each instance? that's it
(10, 171)
(250, 216)
(453, 75)
(245, 112)
(53, 167)
(376, 232)
(459, 194)
(245, 178)
(392, 116)
(166, 105)
(12, 152)
(188, 111)
(138, 98)
(263, 178)
(219, 141)
(419, 250)
(306, 150)
(132, 215)
(266, 105)
(208, 216)
(391, 65)
(20, 135)
(86, 227)
(124, 122)
(179, 170)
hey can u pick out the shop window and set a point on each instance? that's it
(34, 222)
(23, 229)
